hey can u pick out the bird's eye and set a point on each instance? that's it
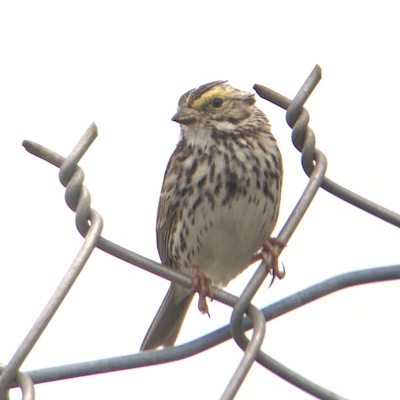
(217, 102)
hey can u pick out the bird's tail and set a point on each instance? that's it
(168, 321)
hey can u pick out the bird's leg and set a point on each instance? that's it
(202, 285)
(269, 254)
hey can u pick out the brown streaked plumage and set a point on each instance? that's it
(220, 196)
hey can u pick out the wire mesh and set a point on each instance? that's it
(245, 316)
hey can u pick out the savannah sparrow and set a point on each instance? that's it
(219, 200)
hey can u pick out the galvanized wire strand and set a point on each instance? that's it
(329, 286)
(76, 189)
(300, 118)
(305, 296)
(206, 342)
(121, 252)
(327, 184)
(24, 382)
(68, 280)
(250, 348)
(11, 370)
(26, 385)
(71, 177)
(296, 379)
(284, 235)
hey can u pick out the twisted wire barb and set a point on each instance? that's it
(78, 199)
(314, 164)
(93, 233)
(310, 153)
(305, 139)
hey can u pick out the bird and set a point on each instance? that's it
(219, 201)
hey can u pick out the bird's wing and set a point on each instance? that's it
(166, 216)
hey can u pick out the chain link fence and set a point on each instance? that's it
(245, 316)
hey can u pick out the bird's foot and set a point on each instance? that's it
(270, 256)
(202, 285)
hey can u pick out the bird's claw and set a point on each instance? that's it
(270, 256)
(202, 285)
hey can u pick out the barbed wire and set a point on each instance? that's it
(245, 316)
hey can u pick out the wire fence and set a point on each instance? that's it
(245, 316)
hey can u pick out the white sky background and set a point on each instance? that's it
(124, 65)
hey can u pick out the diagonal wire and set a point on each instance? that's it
(52, 306)
(11, 370)
(327, 184)
(252, 348)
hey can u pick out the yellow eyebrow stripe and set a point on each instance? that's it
(218, 91)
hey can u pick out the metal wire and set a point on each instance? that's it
(245, 316)
(332, 187)
(74, 175)
(24, 382)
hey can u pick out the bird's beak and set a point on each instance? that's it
(185, 116)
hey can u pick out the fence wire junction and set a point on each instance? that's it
(245, 316)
